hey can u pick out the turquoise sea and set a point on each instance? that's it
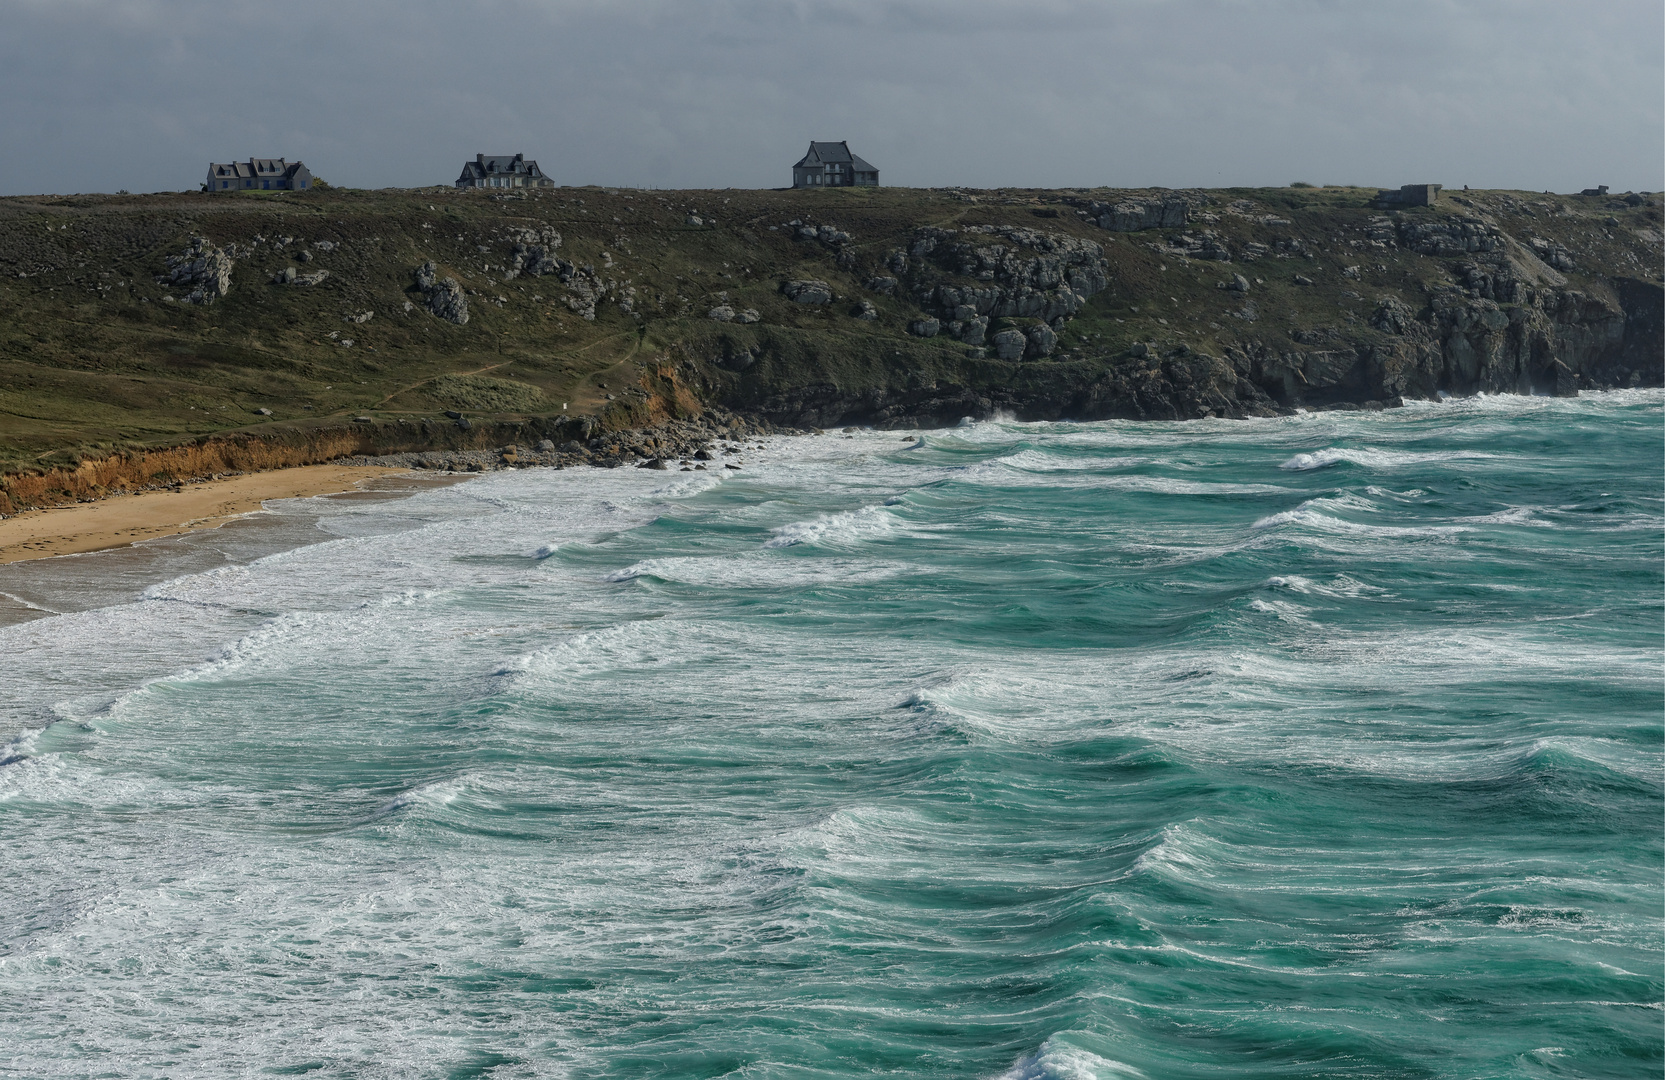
(1322, 746)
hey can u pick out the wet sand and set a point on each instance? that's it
(125, 519)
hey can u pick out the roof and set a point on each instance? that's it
(255, 167)
(830, 153)
(493, 164)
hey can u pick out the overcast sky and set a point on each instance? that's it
(99, 95)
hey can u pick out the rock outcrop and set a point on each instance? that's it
(533, 252)
(1138, 216)
(808, 292)
(970, 276)
(203, 269)
(290, 276)
(443, 297)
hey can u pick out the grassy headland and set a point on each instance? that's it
(591, 311)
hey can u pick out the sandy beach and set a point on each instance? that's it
(126, 519)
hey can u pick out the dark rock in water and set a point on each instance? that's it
(1564, 382)
(653, 463)
(731, 465)
(703, 455)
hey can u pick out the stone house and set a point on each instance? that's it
(502, 171)
(1410, 195)
(259, 174)
(830, 164)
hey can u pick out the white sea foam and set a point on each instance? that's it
(1372, 458)
(753, 570)
(1306, 518)
(645, 568)
(1342, 585)
(1058, 1059)
(28, 603)
(20, 746)
(1003, 704)
(689, 485)
(1281, 609)
(1181, 852)
(1514, 515)
(835, 530)
(640, 645)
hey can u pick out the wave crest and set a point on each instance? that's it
(835, 530)
(1060, 1060)
(1372, 458)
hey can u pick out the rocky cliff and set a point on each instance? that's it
(132, 324)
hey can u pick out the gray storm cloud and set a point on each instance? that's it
(142, 95)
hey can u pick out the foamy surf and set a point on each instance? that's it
(1061, 1060)
(835, 530)
(1372, 458)
(1168, 761)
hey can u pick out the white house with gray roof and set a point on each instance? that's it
(830, 164)
(502, 171)
(259, 174)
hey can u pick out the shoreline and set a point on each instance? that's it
(122, 520)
